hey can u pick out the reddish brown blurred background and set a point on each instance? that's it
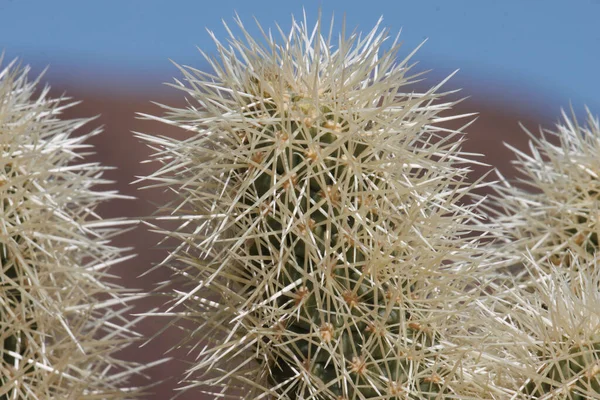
(497, 122)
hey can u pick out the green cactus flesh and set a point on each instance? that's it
(581, 231)
(584, 234)
(575, 376)
(12, 341)
(15, 342)
(311, 167)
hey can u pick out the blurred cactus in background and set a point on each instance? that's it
(325, 237)
(549, 335)
(547, 318)
(560, 218)
(61, 318)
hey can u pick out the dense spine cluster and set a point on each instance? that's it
(557, 215)
(547, 336)
(61, 321)
(322, 233)
(548, 316)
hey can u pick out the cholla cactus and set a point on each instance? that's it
(60, 320)
(550, 341)
(560, 218)
(548, 317)
(322, 227)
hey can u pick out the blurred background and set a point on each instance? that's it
(519, 61)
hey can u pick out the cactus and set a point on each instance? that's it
(550, 338)
(61, 320)
(322, 223)
(560, 218)
(544, 322)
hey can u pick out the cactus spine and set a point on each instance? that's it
(559, 219)
(60, 320)
(321, 222)
(548, 334)
(552, 307)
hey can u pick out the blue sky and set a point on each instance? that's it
(542, 51)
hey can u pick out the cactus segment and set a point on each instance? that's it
(61, 317)
(321, 224)
(556, 219)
